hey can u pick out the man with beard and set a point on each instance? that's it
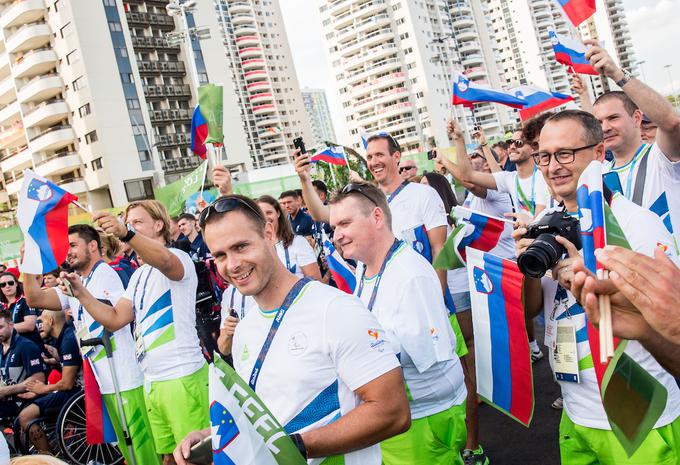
(84, 257)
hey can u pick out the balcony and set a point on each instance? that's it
(372, 54)
(463, 21)
(172, 139)
(255, 75)
(371, 8)
(261, 97)
(273, 144)
(35, 62)
(53, 138)
(248, 40)
(74, 185)
(152, 43)
(473, 60)
(380, 98)
(390, 79)
(267, 120)
(243, 18)
(22, 12)
(250, 52)
(376, 68)
(16, 161)
(339, 7)
(467, 33)
(10, 114)
(264, 109)
(245, 30)
(180, 164)
(240, 7)
(14, 186)
(4, 63)
(176, 114)
(28, 37)
(47, 113)
(468, 47)
(7, 91)
(13, 136)
(161, 67)
(160, 20)
(4, 197)
(176, 90)
(41, 88)
(253, 63)
(58, 164)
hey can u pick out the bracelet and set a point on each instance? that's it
(483, 145)
(299, 443)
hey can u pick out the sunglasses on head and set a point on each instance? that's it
(358, 188)
(406, 168)
(8, 283)
(224, 205)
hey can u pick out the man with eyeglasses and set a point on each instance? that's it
(649, 172)
(407, 169)
(400, 288)
(569, 142)
(314, 355)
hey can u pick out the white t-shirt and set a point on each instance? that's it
(662, 185)
(300, 254)
(105, 284)
(495, 204)
(534, 189)
(582, 402)
(327, 346)
(410, 307)
(232, 298)
(416, 205)
(165, 317)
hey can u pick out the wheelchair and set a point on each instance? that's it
(65, 432)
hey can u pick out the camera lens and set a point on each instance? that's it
(540, 256)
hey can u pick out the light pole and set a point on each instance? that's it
(642, 70)
(186, 35)
(670, 79)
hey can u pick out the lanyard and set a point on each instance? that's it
(396, 192)
(378, 278)
(531, 205)
(631, 170)
(243, 302)
(85, 283)
(287, 302)
(285, 251)
(5, 373)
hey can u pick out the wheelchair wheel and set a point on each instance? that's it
(72, 437)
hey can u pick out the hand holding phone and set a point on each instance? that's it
(299, 143)
(201, 452)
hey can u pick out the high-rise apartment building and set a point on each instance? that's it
(319, 115)
(259, 67)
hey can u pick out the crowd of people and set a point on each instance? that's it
(386, 375)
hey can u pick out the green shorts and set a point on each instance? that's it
(580, 445)
(177, 407)
(137, 423)
(434, 440)
(461, 347)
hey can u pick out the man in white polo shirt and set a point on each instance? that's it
(402, 290)
(308, 350)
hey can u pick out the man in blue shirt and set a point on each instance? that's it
(187, 226)
(303, 224)
(53, 395)
(20, 362)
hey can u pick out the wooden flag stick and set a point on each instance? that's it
(81, 206)
(606, 335)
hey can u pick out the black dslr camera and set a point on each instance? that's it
(545, 251)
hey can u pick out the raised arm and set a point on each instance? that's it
(222, 180)
(486, 151)
(36, 297)
(650, 102)
(315, 206)
(581, 90)
(465, 173)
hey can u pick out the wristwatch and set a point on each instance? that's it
(626, 77)
(130, 234)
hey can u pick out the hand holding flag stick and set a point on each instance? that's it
(605, 326)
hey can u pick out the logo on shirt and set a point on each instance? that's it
(67, 357)
(297, 344)
(434, 335)
(245, 355)
(377, 343)
(35, 362)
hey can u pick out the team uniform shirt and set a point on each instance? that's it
(165, 319)
(199, 251)
(327, 346)
(22, 360)
(297, 255)
(233, 299)
(302, 224)
(495, 204)
(67, 347)
(416, 205)
(526, 193)
(19, 311)
(661, 192)
(105, 285)
(582, 401)
(410, 308)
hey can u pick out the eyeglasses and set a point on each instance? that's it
(519, 143)
(406, 168)
(563, 157)
(476, 155)
(224, 205)
(358, 188)
(8, 283)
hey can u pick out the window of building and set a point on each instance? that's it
(91, 137)
(115, 26)
(138, 190)
(133, 103)
(127, 78)
(97, 164)
(73, 57)
(66, 30)
(84, 110)
(109, 2)
(144, 155)
(79, 83)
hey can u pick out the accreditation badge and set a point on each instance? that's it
(565, 355)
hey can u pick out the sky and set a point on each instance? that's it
(652, 24)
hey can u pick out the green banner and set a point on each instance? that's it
(210, 102)
(175, 195)
(10, 243)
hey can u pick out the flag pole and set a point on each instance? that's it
(81, 206)
(458, 207)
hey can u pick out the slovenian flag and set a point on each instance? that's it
(502, 357)
(331, 155)
(571, 53)
(538, 100)
(577, 10)
(467, 93)
(418, 239)
(341, 272)
(475, 230)
(98, 426)
(199, 133)
(43, 218)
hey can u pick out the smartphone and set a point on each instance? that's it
(612, 181)
(201, 452)
(299, 144)
(432, 154)
(69, 288)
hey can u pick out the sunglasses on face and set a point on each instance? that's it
(519, 143)
(406, 168)
(224, 205)
(8, 283)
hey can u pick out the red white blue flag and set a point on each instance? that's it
(467, 93)
(590, 199)
(341, 272)
(43, 219)
(571, 53)
(538, 100)
(199, 133)
(418, 239)
(502, 357)
(331, 155)
(98, 426)
(577, 10)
